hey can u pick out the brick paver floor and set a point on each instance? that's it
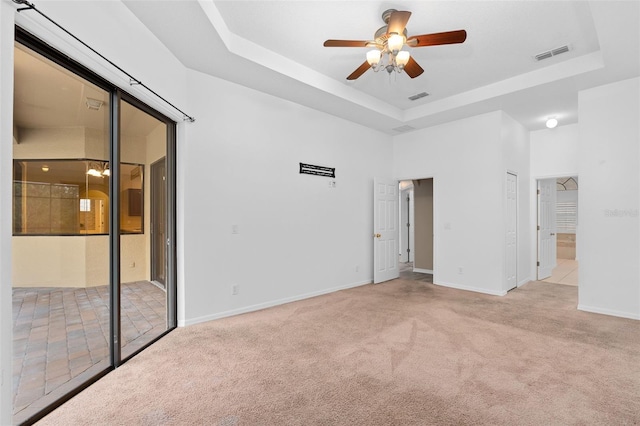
(60, 337)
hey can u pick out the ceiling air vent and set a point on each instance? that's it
(559, 50)
(418, 96)
(404, 128)
(553, 52)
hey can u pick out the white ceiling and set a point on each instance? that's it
(276, 47)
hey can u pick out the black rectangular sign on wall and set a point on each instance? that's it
(310, 169)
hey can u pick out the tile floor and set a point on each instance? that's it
(566, 272)
(60, 337)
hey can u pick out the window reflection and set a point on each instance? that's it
(71, 197)
(132, 199)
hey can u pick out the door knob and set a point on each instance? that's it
(377, 235)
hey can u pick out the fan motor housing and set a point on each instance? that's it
(381, 35)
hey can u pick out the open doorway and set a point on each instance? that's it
(416, 225)
(558, 230)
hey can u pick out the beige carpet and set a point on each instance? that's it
(399, 353)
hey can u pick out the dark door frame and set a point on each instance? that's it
(158, 227)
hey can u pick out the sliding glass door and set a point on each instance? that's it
(143, 206)
(93, 227)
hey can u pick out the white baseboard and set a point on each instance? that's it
(525, 281)
(423, 271)
(475, 289)
(260, 306)
(603, 311)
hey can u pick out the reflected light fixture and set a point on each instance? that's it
(98, 169)
(94, 104)
(551, 123)
(45, 168)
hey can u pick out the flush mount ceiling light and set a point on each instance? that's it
(387, 44)
(98, 169)
(94, 104)
(551, 122)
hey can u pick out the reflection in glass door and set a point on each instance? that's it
(158, 222)
(143, 299)
(60, 255)
(87, 294)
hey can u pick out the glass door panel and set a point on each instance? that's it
(60, 252)
(143, 296)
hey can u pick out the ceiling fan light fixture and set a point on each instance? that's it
(395, 42)
(389, 41)
(402, 58)
(373, 57)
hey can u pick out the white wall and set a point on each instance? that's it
(609, 164)
(554, 152)
(465, 159)
(516, 149)
(296, 236)
(468, 160)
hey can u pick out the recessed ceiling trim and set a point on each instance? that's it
(269, 59)
(402, 129)
(565, 69)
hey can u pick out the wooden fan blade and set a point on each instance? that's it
(449, 37)
(346, 43)
(412, 68)
(361, 70)
(398, 21)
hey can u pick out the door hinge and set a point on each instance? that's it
(538, 192)
(538, 227)
(408, 250)
(408, 225)
(538, 264)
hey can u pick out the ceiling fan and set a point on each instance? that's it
(388, 42)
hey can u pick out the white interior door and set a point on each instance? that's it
(512, 231)
(385, 230)
(546, 227)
